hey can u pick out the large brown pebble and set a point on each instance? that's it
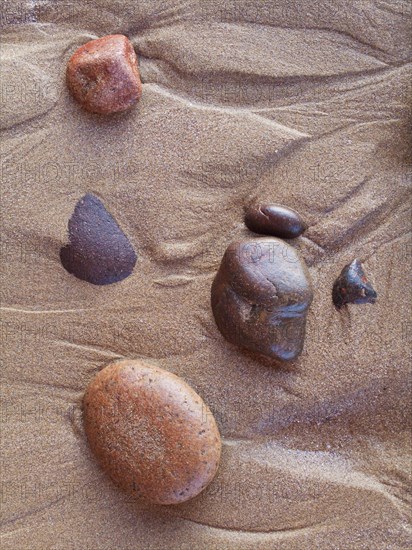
(103, 75)
(260, 297)
(273, 219)
(151, 432)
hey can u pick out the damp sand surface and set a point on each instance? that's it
(306, 107)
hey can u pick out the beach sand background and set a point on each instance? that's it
(303, 103)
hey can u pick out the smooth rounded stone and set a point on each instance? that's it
(98, 252)
(260, 297)
(103, 75)
(151, 432)
(353, 287)
(273, 219)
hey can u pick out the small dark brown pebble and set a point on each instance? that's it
(103, 76)
(353, 287)
(273, 219)
(151, 432)
(260, 297)
(98, 252)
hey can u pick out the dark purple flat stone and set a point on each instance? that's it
(98, 251)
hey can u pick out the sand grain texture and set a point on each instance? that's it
(304, 104)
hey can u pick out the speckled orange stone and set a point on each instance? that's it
(103, 75)
(151, 432)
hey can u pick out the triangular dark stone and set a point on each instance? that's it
(352, 286)
(98, 250)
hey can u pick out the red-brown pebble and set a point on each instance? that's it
(151, 432)
(103, 75)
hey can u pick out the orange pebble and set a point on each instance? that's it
(151, 432)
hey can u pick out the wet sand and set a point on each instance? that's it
(307, 107)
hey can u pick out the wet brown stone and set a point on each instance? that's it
(98, 252)
(103, 75)
(151, 432)
(273, 219)
(260, 297)
(353, 287)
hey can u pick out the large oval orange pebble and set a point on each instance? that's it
(103, 75)
(151, 432)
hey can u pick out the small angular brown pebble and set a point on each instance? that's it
(98, 252)
(260, 297)
(273, 219)
(353, 287)
(151, 432)
(103, 75)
